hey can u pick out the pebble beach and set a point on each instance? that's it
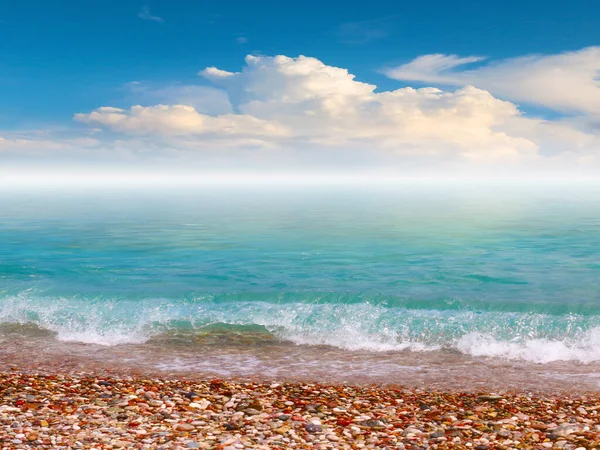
(87, 411)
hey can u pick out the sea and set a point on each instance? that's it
(449, 285)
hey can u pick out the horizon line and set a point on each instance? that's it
(143, 178)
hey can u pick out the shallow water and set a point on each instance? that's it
(404, 283)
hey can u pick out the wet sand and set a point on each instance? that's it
(442, 370)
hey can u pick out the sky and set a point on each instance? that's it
(432, 87)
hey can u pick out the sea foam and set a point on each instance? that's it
(537, 338)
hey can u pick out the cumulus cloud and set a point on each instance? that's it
(302, 102)
(567, 82)
(177, 120)
(303, 109)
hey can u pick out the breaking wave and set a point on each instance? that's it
(353, 326)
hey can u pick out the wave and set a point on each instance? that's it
(584, 348)
(353, 326)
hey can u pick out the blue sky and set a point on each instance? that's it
(62, 58)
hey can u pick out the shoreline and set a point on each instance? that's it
(103, 410)
(444, 372)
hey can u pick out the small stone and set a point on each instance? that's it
(489, 398)
(256, 405)
(184, 427)
(192, 444)
(282, 430)
(503, 433)
(202, 404)
(376, 424)
(313, 428)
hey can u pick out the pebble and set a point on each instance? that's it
(80, 411)
(313, 428)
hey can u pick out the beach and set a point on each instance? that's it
(103, 412)
(412, 319)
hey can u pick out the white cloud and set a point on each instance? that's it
(177, 120)
(144, 14)
(42, 147)
(32, 144)
(302, 111)
(205, 99)
(281, 79)
(325, 106)
(214, 73)
(433, 68)
(26, 144)
(567, 82)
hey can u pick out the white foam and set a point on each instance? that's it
(585, 349)
(74, 320)
(350, 326)
(106, 339)
(353, 340)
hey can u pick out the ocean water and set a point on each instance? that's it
(294, 280)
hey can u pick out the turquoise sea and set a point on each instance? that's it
(271, 280)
